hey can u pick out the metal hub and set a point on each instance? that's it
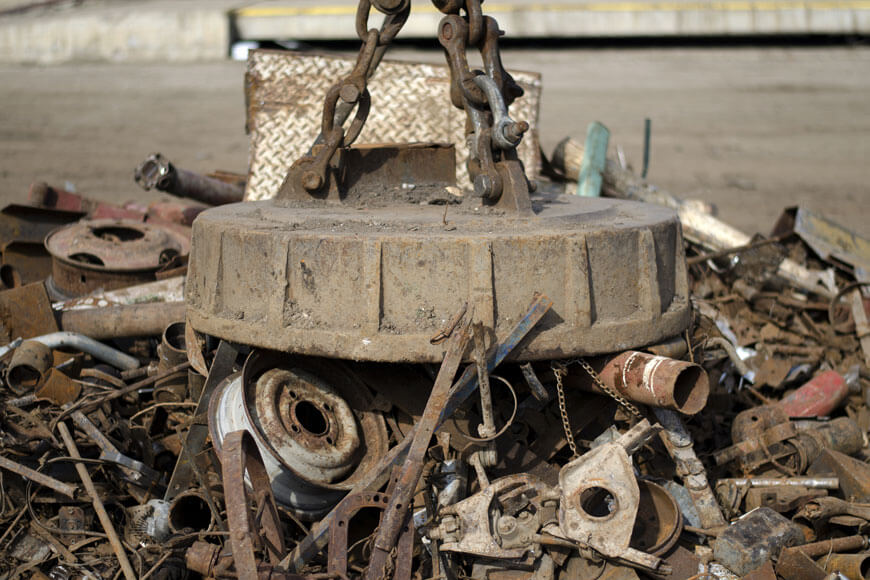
(109, 254)
(311, 419)
(308, 423)
(377, 283)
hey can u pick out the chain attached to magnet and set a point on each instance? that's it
(560, 370)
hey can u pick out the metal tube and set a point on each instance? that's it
(148, 319)
(98, 350)
(811, 482)
(102, 514)
(190, 511)
(852, 566)
(647, 379)
(29, 362)
(817, 549)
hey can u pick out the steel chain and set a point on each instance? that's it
(484, 95)
(561, 368)
(351, 91)
(560, 371)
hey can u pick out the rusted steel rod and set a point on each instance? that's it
(147, 319)
(402, 491)
(159, 173)
(40, 478)
(102, 514)
(811, 482)
(817, 549)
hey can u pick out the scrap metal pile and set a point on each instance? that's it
(372, 376)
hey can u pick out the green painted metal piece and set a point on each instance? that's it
(594, 159)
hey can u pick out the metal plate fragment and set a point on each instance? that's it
(411, 103)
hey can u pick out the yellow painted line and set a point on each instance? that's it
(492, 8)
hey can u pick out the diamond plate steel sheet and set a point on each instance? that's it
(410, 104)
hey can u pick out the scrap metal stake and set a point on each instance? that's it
(102, 514)
(464, 388)
(403, 487)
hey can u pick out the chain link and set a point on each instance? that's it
(560, 370)
(485, 95)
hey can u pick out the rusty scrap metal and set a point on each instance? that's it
(108, 254)
(404, 482)
(649, 380)
(122, 321)
(29, 362)
(250, 533)
(40, 478)
(460, 391)
(157, 172)
(752, 540)
(102, 514)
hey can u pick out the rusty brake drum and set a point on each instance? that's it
(108, 254)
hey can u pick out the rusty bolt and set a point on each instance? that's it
(506, 525)
(513, 132)
(311, 181)
(349, 93)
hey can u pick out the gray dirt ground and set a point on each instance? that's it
(751, 129)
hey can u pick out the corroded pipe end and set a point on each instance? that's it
(657, 381)
(28, 363)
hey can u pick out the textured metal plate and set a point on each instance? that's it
(410, 104)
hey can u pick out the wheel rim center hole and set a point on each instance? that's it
(310, 418)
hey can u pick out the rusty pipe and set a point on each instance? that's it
(159, 173)
(171, 352)
(816, 549)
(647, 379)
(147, 319)
(852, 566)
(28, 363)
(190, 511)
(86, 344)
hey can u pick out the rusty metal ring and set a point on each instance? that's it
(240, 455)
(391, 6)
(507, 424)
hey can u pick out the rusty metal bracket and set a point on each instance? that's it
(249, 533)
(338, 535)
